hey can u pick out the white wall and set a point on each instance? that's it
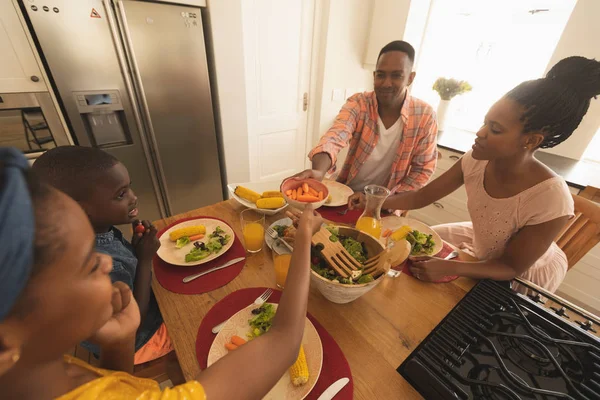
(388, 24)
(226, 29)
(344, 32)
(580, 37)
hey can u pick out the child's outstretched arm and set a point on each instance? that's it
(278, 349)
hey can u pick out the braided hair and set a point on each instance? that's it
(556, 104)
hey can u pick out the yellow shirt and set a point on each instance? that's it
(112, 385)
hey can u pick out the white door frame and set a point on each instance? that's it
(248, 14)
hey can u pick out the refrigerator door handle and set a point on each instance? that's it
(141, 100)
(164, 209)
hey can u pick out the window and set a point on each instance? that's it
(492, 44)
(592, 152)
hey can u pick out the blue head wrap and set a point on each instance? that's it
(17, 228)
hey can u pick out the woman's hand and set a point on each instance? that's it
(309, 219)
(431, 269)
(125, 320)
(357, 200)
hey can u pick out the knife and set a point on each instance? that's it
(227, 264)
(334, 389)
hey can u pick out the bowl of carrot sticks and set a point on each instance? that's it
(298, 193)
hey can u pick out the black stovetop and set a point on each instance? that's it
(496, 344)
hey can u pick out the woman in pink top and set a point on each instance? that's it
(517, 204)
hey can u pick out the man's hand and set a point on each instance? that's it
(309, 219)
(145, 244)
(125, 320)
(357, 200)
(309, 174)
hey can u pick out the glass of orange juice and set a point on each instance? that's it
(253, 229)
(281, 261)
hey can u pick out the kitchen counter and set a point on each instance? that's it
(578, 174)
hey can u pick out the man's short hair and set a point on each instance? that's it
(73, 170)
(399, 45)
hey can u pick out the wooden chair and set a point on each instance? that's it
(582, 232)
(160, 370)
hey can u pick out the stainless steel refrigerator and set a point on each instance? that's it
(133, 79)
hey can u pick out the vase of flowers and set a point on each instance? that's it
(448, 88)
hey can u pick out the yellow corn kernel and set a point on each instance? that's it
(271, 203)
(401, 233)
(187, 231)
(272, 193)
(299, 371)
(247, 194)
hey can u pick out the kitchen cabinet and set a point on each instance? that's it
(19, 70)
(582, 281)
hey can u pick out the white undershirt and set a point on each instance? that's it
(376, 170)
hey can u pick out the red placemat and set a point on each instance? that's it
(332, 214)
(446, 250)
(171, 276)
(335, 365)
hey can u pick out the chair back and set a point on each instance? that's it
(582, 232)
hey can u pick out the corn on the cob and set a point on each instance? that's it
(270, 203)
(187, 231)
(401, 233)
(247, 194)
(272, 193)
(299, 371)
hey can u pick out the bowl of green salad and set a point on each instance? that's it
(344, 290)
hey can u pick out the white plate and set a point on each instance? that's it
(394, 222)
(284, 221)
(339, 193)
(258, 187)
(284, 389)
(172, 255)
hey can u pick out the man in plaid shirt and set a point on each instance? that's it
(392, 135)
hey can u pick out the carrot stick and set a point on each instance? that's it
(196, 237)
(320, 196)
(289, 193)
(238, 341)
(299, 192)
(307, 198)
(230, 346)
(305, 187)
(313, 192)
(294, 195)
(387, 233)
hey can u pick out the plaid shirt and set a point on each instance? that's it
(356, 125)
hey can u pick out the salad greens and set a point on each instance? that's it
(280, 229)
(217, 240)
(261, 322)
(182, 242)
(353, 246)
(421, 243)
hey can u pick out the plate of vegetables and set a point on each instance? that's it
(195, 242)
(423, 240)
(252, 322)
(260, 196)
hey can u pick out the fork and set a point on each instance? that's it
(275, 236)
(344, 212)
(260, 300)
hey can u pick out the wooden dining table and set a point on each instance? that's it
(376, 332)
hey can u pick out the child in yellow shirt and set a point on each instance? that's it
(55, 291)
